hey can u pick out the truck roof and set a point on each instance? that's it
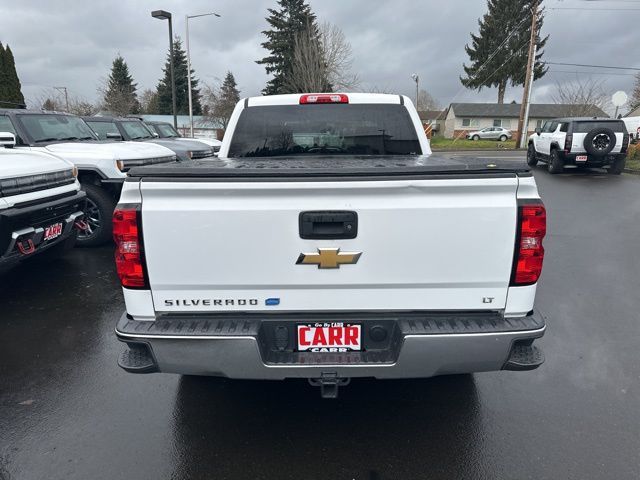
(294, 99)
(354, 167)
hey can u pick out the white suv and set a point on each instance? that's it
(583, 142)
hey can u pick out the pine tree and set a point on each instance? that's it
(10, 88)
(182, 86)
(499, 52)
(120, 96)
(225, 100)
(294, 17)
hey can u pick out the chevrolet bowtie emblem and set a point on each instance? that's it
(328, 258)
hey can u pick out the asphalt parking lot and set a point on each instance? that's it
(68, 411)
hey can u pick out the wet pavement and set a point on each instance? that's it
(68, 412)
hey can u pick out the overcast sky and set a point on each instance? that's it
(73, 42)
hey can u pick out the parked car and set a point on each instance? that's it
(490, 133)
(101, 165)
(329, 253)
(580, 142)
(133, 129)
(41, 204)
(166, 130)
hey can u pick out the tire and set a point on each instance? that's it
(98, 213)
(475, 138)
(555, 165)
(503, 138)
(532, 158)
(599, 141)
(617, 166)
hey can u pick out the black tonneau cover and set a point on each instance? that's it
(330, 167)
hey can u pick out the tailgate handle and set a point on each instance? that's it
(328, 225)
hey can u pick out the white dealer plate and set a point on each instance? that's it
(329, 337)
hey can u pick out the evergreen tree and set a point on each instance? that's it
(182, 86)
(499, 52)
(225, 100)
(10, 88)
(120, 96)
(294, 17)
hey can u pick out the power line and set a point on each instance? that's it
(592, 73)
(592, 66)
(597, 9)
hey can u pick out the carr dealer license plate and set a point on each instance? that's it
(53, 231)
(581, 158)
(329, 337)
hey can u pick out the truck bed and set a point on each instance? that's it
(331, 167)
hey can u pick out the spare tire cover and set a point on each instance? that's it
(599, 141)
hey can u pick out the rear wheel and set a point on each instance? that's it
(475, 138)
(100, 206)
(532, 159)
(556, 165)
(617, 166)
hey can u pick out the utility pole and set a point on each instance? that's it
(523, 121)
(416, 79)
(66, 96)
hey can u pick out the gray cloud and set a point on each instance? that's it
(72, 43)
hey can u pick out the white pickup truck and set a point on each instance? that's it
(327, 243)
(41, 205)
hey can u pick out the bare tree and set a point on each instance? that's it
(322, 61)
(338, 58)
(580, 96)
(635, 95)
(149, 101)
(426, 101)
(82, 107)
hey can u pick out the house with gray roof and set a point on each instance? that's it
(465, 117)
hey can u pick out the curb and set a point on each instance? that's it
(632, 172)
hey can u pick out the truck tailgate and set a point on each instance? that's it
(440, 243)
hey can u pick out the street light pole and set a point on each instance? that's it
(186, 21)
(164, 15)
(416, 79)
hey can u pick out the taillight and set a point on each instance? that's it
(127, 233)
(324, 98)
(532, 227)
(567, 143)
(625, 143)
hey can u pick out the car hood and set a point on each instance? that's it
(114, 150)
(20, 163)
(207, 141)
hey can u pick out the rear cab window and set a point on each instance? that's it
(324, 129)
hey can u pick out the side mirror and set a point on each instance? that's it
(114, 136)
(7, 139)
(538, 131)
(155, 135)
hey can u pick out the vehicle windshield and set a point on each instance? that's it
(329, 129)
(103, 128)
(136, 130)
(166, 131)
(53, 127)
(587, 126)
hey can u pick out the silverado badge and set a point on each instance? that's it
(328, 258)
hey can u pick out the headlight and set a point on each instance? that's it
(120, 165)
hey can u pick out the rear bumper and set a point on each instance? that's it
(419, 345)
(592, 160)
